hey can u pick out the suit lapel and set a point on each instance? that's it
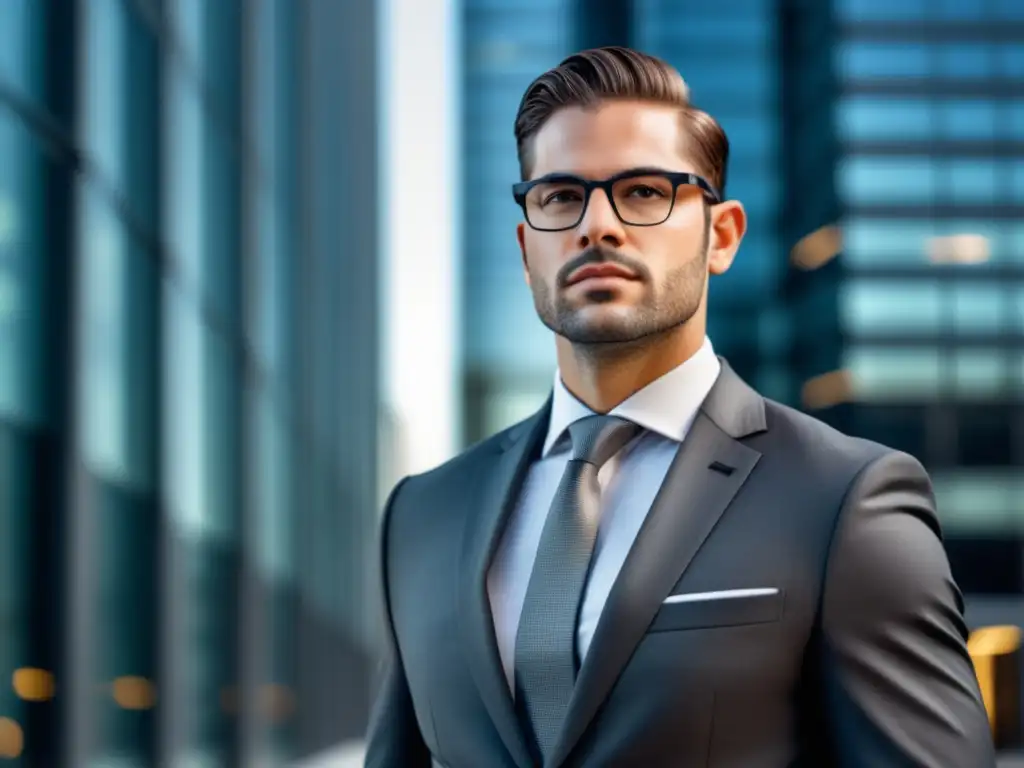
(707, 472)
(482, 535)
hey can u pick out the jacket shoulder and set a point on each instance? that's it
(819, 443)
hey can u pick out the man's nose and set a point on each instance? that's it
(600, 224)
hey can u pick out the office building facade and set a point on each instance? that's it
(929, 114)
(187, 465)
(877, 149)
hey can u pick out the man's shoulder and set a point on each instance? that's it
(804, 435)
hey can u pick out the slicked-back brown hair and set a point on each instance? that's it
(590, 77)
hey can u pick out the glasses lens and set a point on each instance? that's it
(643, 199)
(555, 205)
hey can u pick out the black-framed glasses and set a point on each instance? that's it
(640, 197)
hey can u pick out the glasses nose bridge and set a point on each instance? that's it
(600, 186)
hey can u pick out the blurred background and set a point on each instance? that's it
(257, 262)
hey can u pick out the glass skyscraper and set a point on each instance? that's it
(877, 149)
(187, 466)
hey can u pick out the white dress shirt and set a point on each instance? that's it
(665, 409)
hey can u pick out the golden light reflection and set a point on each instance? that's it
(32, 684)
(827, 390)
(818, 248)
(985, 646)
(12, 740)
(133, 692)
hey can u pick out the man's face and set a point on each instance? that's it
(665, 266)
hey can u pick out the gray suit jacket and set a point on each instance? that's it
(858, 658)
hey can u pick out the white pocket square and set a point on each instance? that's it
(726, 594)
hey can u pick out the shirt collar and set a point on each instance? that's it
(667, 405)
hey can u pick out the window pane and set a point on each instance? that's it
(103, 394)
(968, 181)
(106, 77)
(22, 274)
(877, 307)
(876, 180)
(965, 61)
(865, 118)
(961, 9)
(980, 501)
(866, 10)
(967, 119)
(858, 60)
(881, 242)
(980, 308)
(1007, 9)
(871, 242)
(893, 374)
(17, 27)
(981, 373)
(184, 161)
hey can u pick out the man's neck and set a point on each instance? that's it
(601, 376)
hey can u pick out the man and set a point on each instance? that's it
(661, 567)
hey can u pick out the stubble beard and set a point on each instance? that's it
(673, 304)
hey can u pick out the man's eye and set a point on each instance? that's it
(645, 192)
(562, 196)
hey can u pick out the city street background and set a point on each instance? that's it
(257, 262)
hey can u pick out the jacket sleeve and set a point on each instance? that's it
(899, 686)
(393, 739)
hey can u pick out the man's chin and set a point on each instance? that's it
(603, 331)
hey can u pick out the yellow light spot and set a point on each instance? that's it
(33, 684)
(133, 692)
(994, 641)
(12, 740)
(984, 646)
(818, 248)
(828, 389)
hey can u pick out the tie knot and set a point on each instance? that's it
(595, 439)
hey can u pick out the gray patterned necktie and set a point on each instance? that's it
(545, 654)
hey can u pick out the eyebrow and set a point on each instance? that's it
(652, 169)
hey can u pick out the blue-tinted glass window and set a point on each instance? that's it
(905, 307)
(966, 119)
(864, 60)
(103, 331)
(917, 180)
(890, 308)
(664, 26)
(866, 118)
(960, 9)
(969, 181)
(187, 214)
(882, 10)
(1007, 9)
(1010, 58)
(18, 48)
(22, 273)
(875, 180)
(1009, 242)
(873, 242)
(106, 126)
(894, 374)
(880, 242)
(965, 61)
(980, 308)
(188, 18)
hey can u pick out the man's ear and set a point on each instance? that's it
(728, 225)
(521, 237)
